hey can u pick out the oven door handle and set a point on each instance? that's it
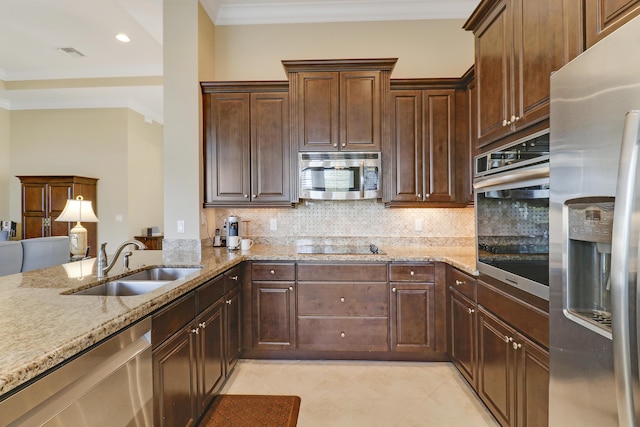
(362, 180)
(516, 175)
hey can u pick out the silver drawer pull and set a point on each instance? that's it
(393, 289)
(471, 310)
(342, 299)
(194, 331)
(272, 271)
(202, 325)
(290, 288)
(342, 334)
(517, 346)
(412, 272)
(459, 282)
(234, 278)
(228, 301)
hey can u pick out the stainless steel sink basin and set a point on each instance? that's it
(140, 282)
(123, 288)
(162, 273)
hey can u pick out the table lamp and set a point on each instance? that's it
(78, 210)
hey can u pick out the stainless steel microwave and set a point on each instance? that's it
(340, 175)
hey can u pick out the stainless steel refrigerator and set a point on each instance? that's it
(594, 224)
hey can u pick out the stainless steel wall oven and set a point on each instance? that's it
(511, 187)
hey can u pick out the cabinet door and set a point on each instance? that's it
(34, 210)
(539, 49)
(273, 315)
(438, 109)
(533, 383)
(318, 111)
(604, 16)
(496, 373)
(211, 365)
(360, 110)
(493, 73)
(174, 380)
(406, 142)
(413, 317)
(270, 151)
(233, 338)
(462, 345)
(227, 147)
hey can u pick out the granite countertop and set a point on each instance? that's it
(40, 326)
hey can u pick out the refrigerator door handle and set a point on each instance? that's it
(622, 224)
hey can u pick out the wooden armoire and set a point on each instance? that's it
(44, 198)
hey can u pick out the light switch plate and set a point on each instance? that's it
(180, 227)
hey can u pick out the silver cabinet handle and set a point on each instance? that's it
(195, 331)
(335, 145)
(246, 196)
(342, 299)
(505, 122)
(515, 119)
(517, 346)
(507, 339)
(254, 196)
(344, 144)
(342, 334)
(290, 288)
(229, 301)
(393, 289)
(234, 278)
(202, 325)
(272, 271)
(412, 273)
(459, 282)
(471, 310)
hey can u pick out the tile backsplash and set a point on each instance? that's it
(337, 222)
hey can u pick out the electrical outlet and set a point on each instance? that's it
(180, 228)
(418, 224)
(273, 224)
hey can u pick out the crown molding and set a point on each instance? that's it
(284, 12)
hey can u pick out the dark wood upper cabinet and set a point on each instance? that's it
(339, 105)
(247, 158)
(604, 16)
(518, 45)
(428, 155)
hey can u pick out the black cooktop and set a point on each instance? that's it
(340, 249)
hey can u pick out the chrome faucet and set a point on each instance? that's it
(104, 266)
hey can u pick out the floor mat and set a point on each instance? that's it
(238, 410)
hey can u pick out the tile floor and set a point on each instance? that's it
(361, 393)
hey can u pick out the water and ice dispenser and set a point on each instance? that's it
(587, 278)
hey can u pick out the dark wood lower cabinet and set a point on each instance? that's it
(513, 373)
(233, 332)
(462, 345)
(211, 366)
(274, 309)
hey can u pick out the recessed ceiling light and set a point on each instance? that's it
(123, 37)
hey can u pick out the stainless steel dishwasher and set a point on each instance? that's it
(109, 384)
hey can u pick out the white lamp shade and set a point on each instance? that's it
(78, 210)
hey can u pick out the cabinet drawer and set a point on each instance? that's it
(273, 271)
(462, 283)
(170, 319)
(342, 299)
(343, 272)
(411, 272)
(210, 292)
(343, 333)
(233, 278)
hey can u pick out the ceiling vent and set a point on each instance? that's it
(71, 51)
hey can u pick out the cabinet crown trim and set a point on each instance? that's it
(383, 64)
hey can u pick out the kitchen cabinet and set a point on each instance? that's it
(44, 198)
(339, 105)
(603, 17)
(151, 242)
(416, 315)
(429, 155)
(461, 296)
(513, 366)
(518, 44)
(247, 160)
(274, 306)
(195, 345)
(342, 307)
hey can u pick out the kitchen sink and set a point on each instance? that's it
(123, 288)
(140, 282)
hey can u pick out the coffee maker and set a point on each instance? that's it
(233, 237)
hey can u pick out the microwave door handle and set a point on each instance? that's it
(622, 223)
(362, 180)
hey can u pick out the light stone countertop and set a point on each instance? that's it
(40, 326)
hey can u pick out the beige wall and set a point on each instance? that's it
(145, 165)
(5, 159)
(85, 142)
(426, 48)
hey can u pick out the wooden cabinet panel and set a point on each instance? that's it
(233, 333)
(318, 100)
(406, 136)
(353, 272)
(247, 149)
(439, 139)
(153, 243)
(270, 147)
(273, 271)
(342, 299)
(43, 200)
(174, 379)
(533, 383)
(462, 345)
(605, 16)
(360, 110)
(343, 333)
(273, 315)
(413, 317)
(399, 272)
(211, 366)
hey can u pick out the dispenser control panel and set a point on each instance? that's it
(591, 220)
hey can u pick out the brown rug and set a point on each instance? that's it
(237, 410)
